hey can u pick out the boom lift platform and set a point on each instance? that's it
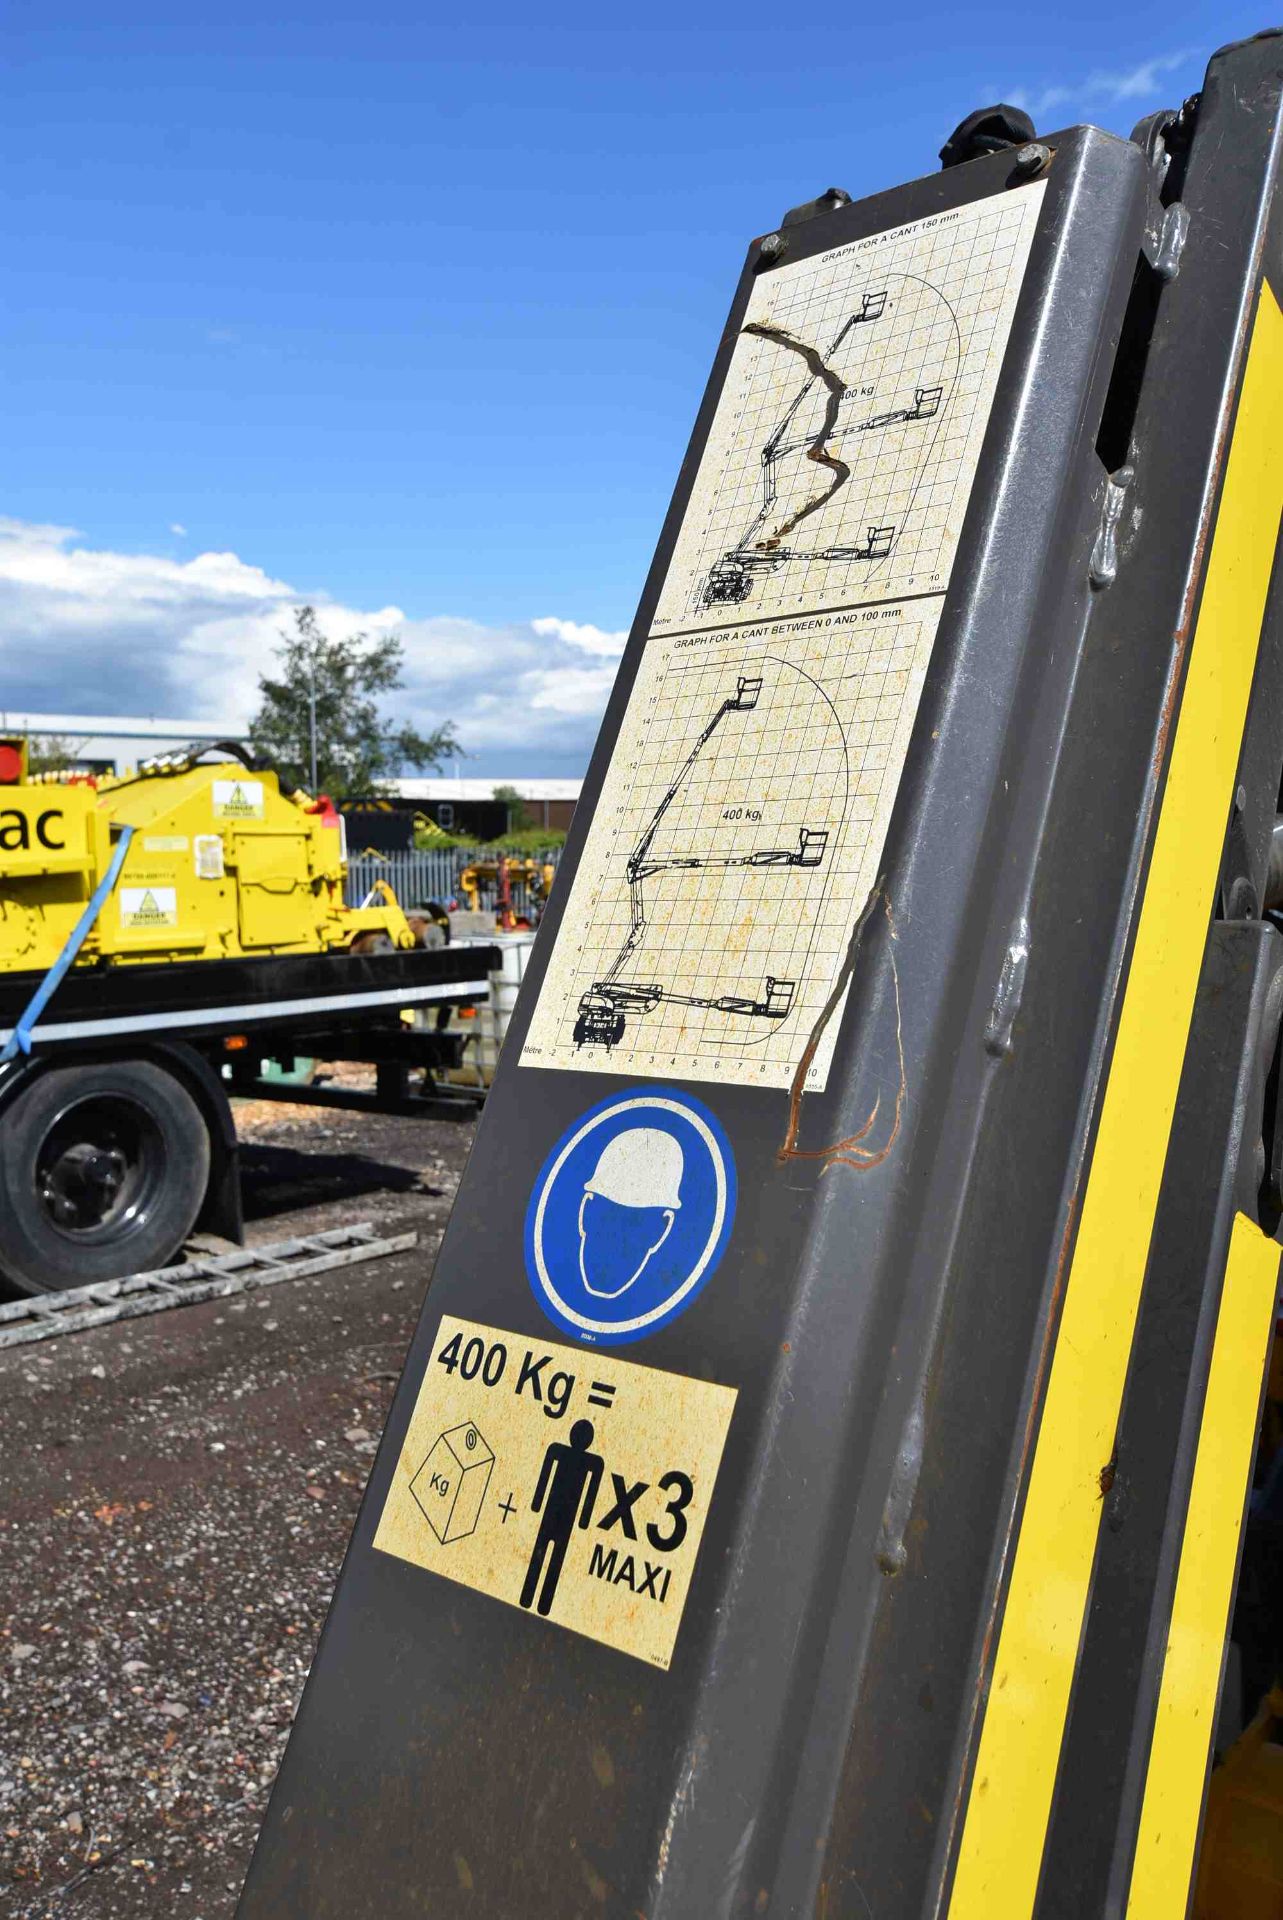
(818, 1478)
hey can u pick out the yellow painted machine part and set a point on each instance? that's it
(1192, 1663)
(221, 864)
(536, 874)
(1005, 1823)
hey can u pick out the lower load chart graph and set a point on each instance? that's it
(745, 809)
(604, 1007)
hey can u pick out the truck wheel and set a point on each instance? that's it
(427, 931)
(103, 1168)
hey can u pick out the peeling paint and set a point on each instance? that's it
(891, 1553)
(1000, 1027)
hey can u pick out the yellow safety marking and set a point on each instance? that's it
(1009, 1805)
(1205, 1579)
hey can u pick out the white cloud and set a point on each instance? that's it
(1137, 83)
(591, 639)
(536, 686)
(1037, 104)
(176, 526)
(1100, 90)
(90, 630)
(35, 533)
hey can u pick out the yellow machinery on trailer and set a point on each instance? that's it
(220, 864)
(163, 936)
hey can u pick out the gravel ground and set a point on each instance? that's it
(178, 1495)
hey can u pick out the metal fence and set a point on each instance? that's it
(416, 878)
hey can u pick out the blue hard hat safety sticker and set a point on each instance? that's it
(630, 1215)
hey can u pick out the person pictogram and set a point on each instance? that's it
(566, 1493)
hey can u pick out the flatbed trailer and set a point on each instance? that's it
(116, 1132)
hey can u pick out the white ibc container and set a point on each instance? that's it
(506, 981)
(490, 1024)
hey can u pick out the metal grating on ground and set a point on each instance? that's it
(209, 1277)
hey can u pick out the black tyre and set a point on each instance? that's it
(103, 1168)
(430, 925)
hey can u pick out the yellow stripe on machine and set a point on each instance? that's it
(1009, 1805)
(1204, 1580)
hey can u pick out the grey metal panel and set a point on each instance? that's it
(440, 1727)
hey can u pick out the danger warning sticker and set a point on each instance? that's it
(238, 799)
(573, 1486)
(148, 906)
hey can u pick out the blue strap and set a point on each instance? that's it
(19, 1040)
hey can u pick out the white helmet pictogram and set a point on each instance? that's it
(639, 1168)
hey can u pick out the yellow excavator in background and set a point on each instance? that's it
(500, 873)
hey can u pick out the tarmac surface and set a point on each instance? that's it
(178, 1494)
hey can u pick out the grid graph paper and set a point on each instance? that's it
(908, 328)
(760, 860)
(744, 814)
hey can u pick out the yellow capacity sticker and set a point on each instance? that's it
(571, 1484)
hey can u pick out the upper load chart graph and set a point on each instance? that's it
(855, 441)
(847, 434)
(743, 816)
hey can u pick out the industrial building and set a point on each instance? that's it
(115, 743)
(469, 806)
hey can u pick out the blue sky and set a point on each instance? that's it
(407, 311)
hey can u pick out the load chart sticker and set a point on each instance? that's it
(630, 1215)
(743, 817)
(572, 1486)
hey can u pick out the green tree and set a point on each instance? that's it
(52, 752)
(320, 722)
(518, 818)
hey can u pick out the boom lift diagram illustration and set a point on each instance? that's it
(604, 1007)
(763, 549)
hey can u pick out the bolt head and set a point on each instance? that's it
(1032, 158)
(772, 246)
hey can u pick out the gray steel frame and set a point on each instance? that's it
(811, 1748)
